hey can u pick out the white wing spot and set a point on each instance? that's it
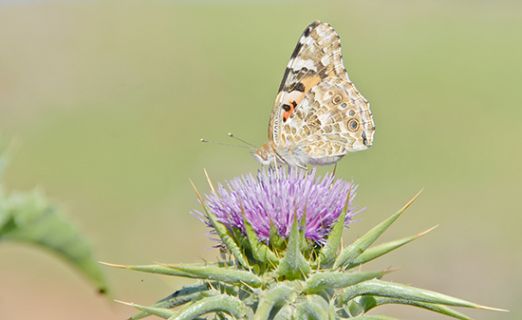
(304, 63)
(325, 60)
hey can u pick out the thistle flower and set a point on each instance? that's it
(297, 270)
(273, 198)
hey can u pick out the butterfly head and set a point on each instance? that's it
(266, 154)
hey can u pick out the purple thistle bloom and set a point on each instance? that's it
(274, 196)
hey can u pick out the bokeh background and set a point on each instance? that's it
(105, 104)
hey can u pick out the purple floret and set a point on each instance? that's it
(276, 195)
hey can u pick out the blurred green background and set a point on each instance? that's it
(105, 103)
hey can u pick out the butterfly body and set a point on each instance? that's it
(318, 116)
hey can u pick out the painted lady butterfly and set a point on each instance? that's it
(318, 116)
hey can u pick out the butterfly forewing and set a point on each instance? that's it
(316, 56)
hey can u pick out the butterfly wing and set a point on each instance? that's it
(318, 110)
(303, 71)
(332, 120)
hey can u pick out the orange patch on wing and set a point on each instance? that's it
(288, 114)
(308, 83)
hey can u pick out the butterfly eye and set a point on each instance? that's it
(337, 99)
(353, 125)
(351, 112)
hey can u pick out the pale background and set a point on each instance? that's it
(105, 104)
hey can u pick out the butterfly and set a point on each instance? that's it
(318, 115)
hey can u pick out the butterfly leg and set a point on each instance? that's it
(334, 169)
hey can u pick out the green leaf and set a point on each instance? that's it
(226, 275)
(329, 251)
(382, 249)
(400, 291)
(287, 312)
(304, 247)
(198, 271)
(274, 297)
(231, 245)
(222, 232)
(260, 251)
(160, 312)
(313, 308)
(293, 265)
(220, 303)
(360, 305)
(355, 249)
(337, 280)
(275, 240)
(29, 218)
(432, 307)
(180, 297)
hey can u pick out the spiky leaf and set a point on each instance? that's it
(160, 312)
(382, 249)
(400, 291)
(313, 308)
(360, 245)
(274, 297)
(293, 265)
(275, 240)
(198, 271)
(222, 231)
(329, 251)
(336, 280)
(180, 297)
(287, 312)
(432, 307)
(260, 251)
(220, 303)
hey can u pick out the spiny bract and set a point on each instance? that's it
(270, 270)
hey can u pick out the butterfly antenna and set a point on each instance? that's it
(231, 135)
(222, 144)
